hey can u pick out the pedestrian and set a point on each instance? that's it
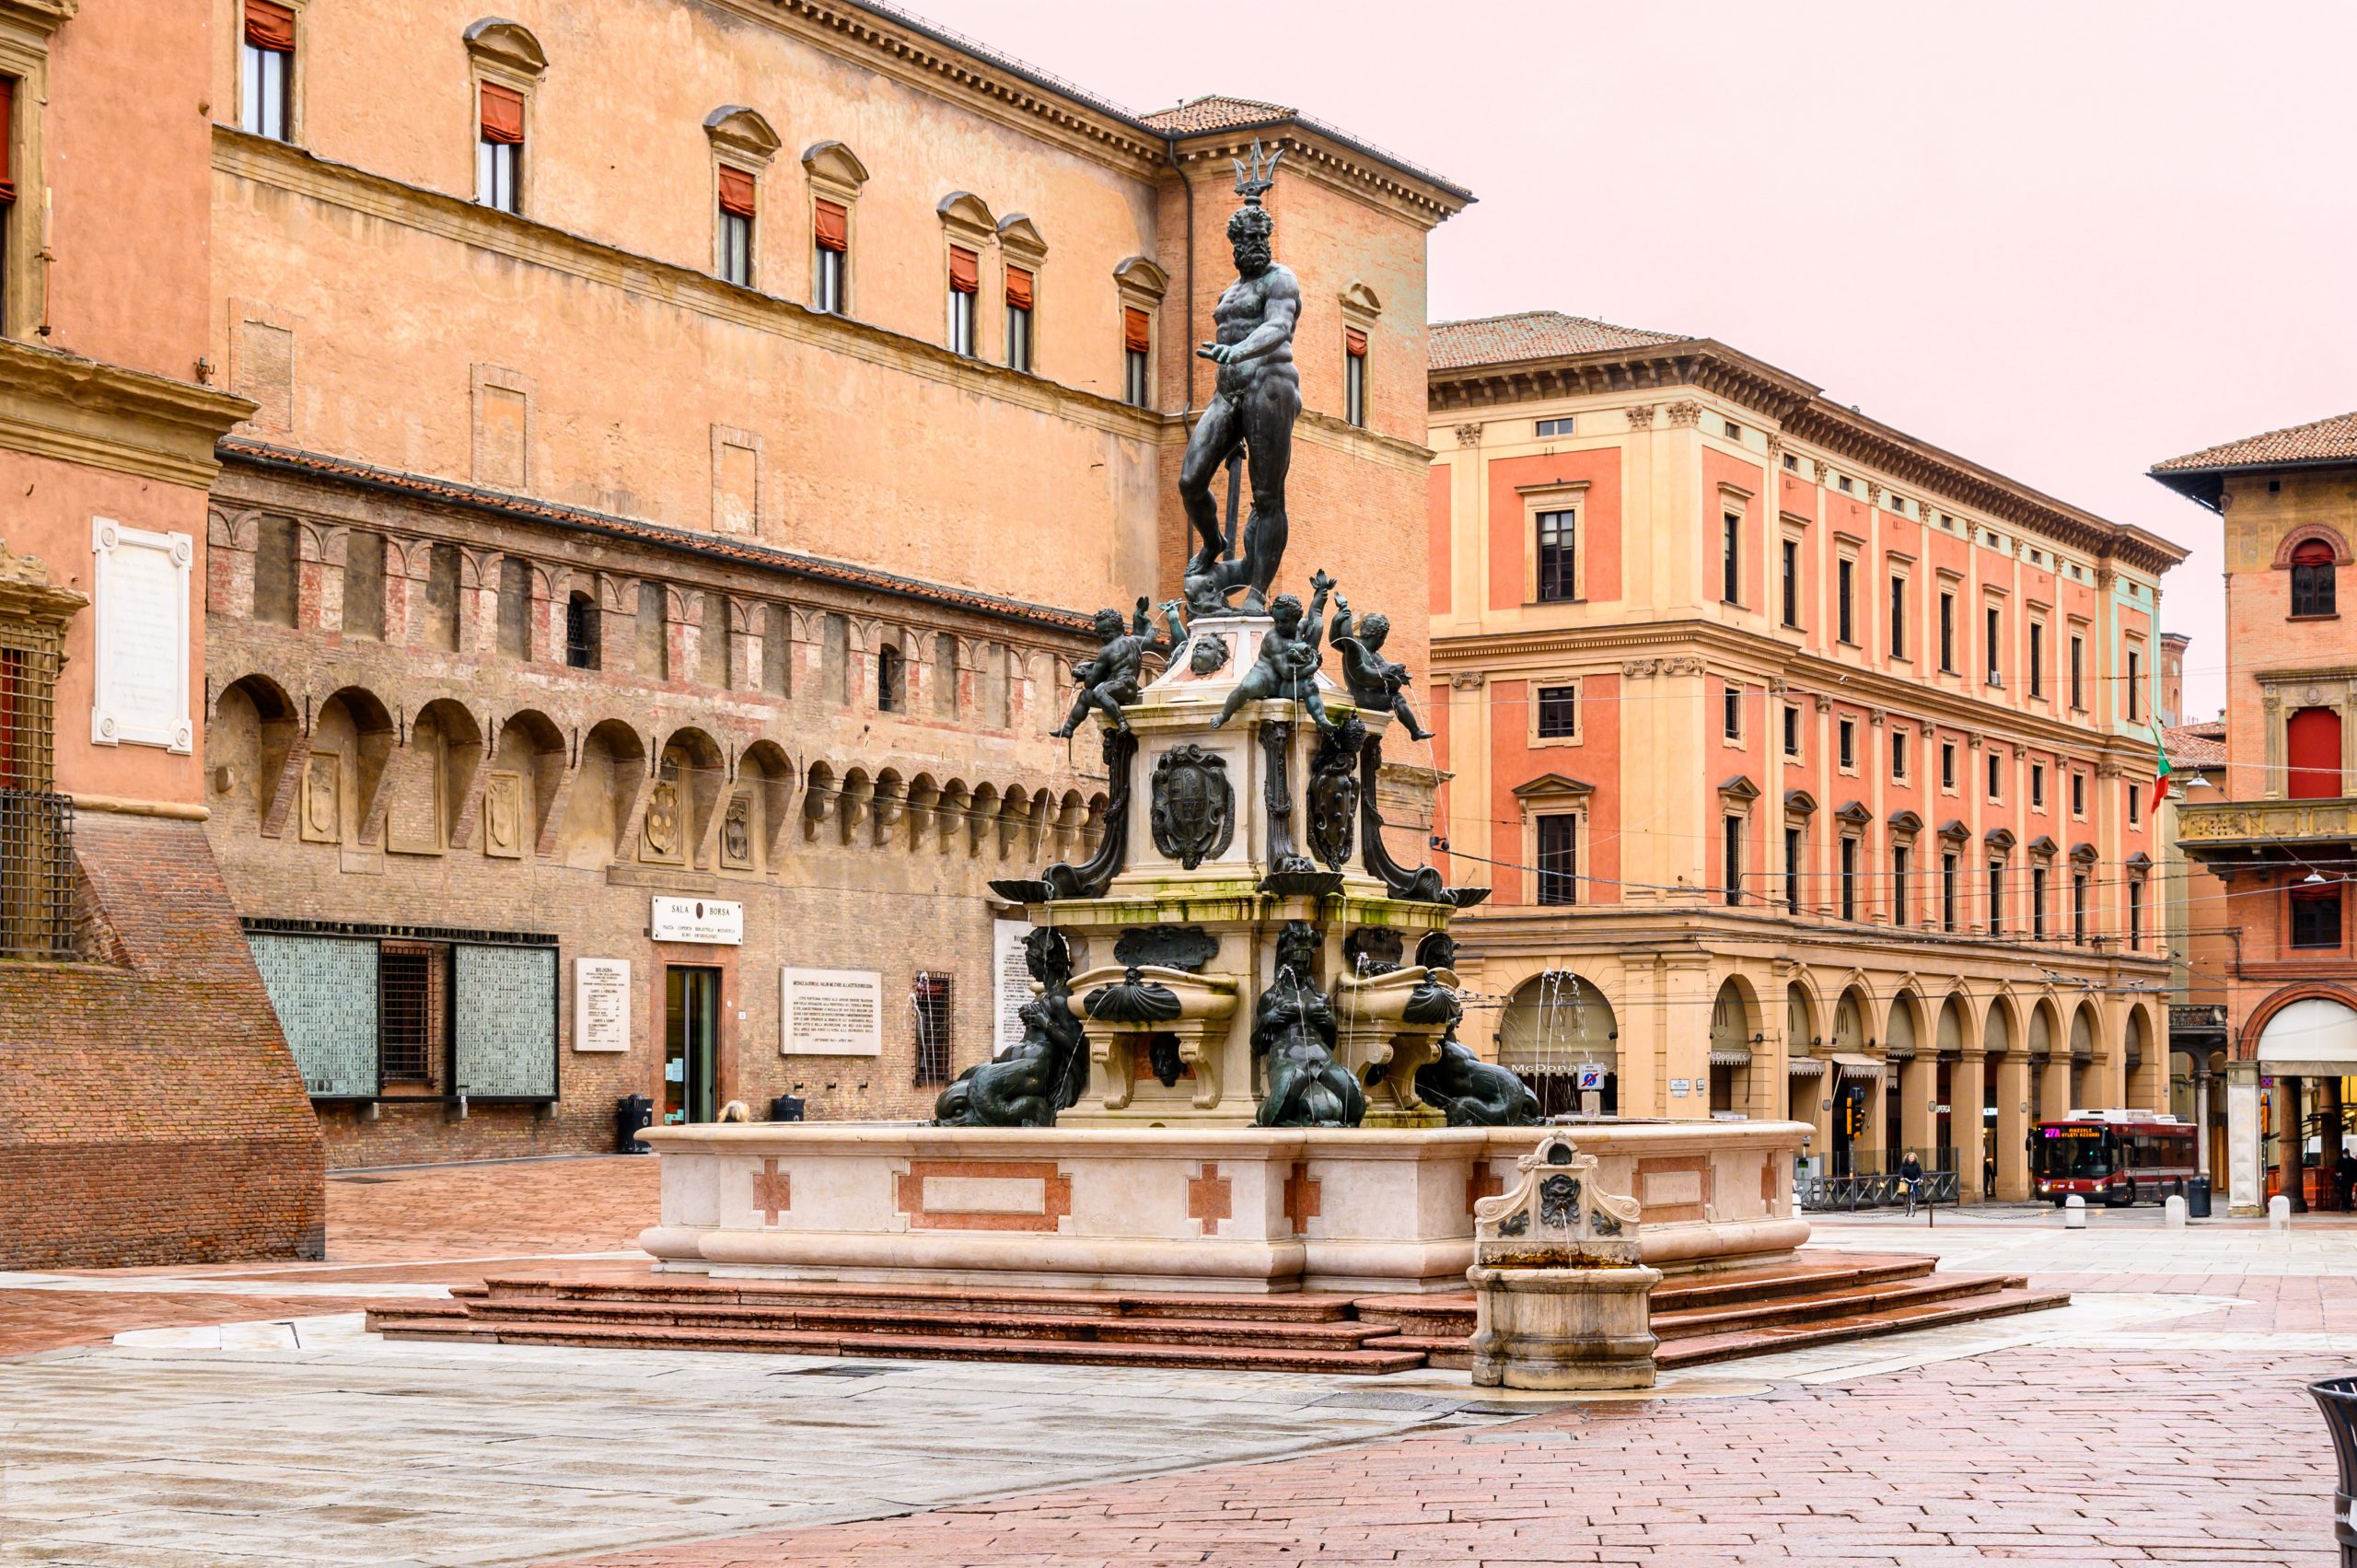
(1911, 1177)
(1989, 1175)
(2344, 1171)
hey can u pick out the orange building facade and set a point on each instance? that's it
(1811, 764)
(689, 441)
(2273, 850)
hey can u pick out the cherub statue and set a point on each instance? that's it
(1376, 684)
(1110, 678)
(1289, 656)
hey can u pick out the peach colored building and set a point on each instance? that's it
(689, 438)
(2279, 841)
(149, 1111)
(1811, 764)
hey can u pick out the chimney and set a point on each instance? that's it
(2173, 645)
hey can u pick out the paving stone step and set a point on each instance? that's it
(816, 1293)
(403, 1326)
(1821, 1305)
(931, 1323)
(1834, 1331)
(1451, 1315)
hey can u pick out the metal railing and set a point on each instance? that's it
(36, 875)
(1870, 1180)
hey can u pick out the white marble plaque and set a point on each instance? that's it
(139, 688)
(830, 1013)
(1014, 979)
(697, 919)
(601, 1003)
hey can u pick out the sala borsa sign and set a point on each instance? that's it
(697, 919)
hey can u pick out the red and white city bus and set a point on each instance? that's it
(2115, 1155)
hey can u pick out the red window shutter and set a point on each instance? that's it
(1354, 343)
(1019, 288)
(736, 192)
(502, 114)
(965, 271)
(8, 140)
(1137, 331)
(2312, 745)
(270, 27)
(834, 227)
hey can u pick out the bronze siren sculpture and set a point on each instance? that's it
(1253, 404)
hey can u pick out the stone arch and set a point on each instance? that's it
(608, 780)
(1092, 832)
(2001, 1027)
(2087, 1048)
(1854, 1014)
(498, 40)
(2312, 533)
(1907, 1030)
(1013, 817)
(1552, 1023)
(682, 800)
(256, 745)
(981, 814)
(1072, 824)
(530, 751)
(924, 797)
(1802, 1010)
(765, 783)
(1734, 1027)
(431, 779)
(352, 736)
(888, 804)
(2248, 1042)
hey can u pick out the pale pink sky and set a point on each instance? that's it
(2062, 240)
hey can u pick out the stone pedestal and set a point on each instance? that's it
(1560, 1291)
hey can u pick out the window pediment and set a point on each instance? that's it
(1854, 814)
(495, 40)
(1552, 787)
(1956, 831)
(1998, 838)
(1739, 790)
(834, 164)
(1021, 237)
(1904, 821)
(2043, 846)
(742, 131)
(1800, 802)
(967, 213)
(2140, 861)
(1142, 276)
(2082, 852)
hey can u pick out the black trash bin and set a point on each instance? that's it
(2197, 1199)
(2337, 1397)
(634, 1114)
(786, 1108)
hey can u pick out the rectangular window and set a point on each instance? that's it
(1559, 712)
(1947, 892)
(1137, 342)
(2038, 785)
(935, 1021)
(2037, 874)
(1900, 855)
(2136, 914)
(1947, 764)
(965, 283)
(1791, 582)
(1791, 463)
(266, 71)
(1948, 633)
(829, 258)
(2312, 579)
(1354, 377)
(1847, 730)
(2078, 794)
(2135, 805)
(1559, 860)
(1848, 879)
(1554, 427)
(1996, 898)
(1731, 559)
(1996, 634)
(736, 226)
(2079, 909)
(1731, 712)
(1898, 617)
(1844, 574)
(1018, 319)
(2078, 672)
(1996, 774)
(2315, 917)
(1791, 731)
(499, 150)
(1898, 753)
(2038, 659)
(1731, 858)
(2135, 686)
(1793, 845)
(1557, 544)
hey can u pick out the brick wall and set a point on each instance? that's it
(149, 1111)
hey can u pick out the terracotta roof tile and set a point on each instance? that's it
(812, 567)
(2197, 746)
(2323, 441)
(1215, 111)
(1532, 334)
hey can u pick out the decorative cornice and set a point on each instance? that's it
(79, 411)
(39, 17)
(280, 167)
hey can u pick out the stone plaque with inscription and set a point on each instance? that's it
(601, 1003)
(139, 693)
(1011, 980)
(830, 1013)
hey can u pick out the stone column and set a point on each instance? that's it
(1686, 996)
(1917, 1081)
(2201, 1114)
(2054, 1084)
(1818, 1113)
(1966, 1093)
(2288, 1163)
(2012, 1128)
(2246, 1161)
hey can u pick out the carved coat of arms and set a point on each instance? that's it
(1195, 807)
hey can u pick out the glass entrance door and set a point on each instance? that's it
(690, 1043)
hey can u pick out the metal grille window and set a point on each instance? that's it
(1559, 712)
(1557, 539)
(1559, 860)
(931, 999)
(888, 679)
(410, 1007)
(580, 633)
(36, 826)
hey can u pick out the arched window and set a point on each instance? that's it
(2312, 746)
(581, 632)
(2312, 579)
(889, 682)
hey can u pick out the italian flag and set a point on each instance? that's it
(2161, 778)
